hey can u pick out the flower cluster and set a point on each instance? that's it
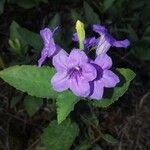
(76, 71)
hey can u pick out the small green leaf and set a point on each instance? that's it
(32, 104)
(2, 2)
(15, 100)
(27, 4)
(126, 76)
(2, 64)
(81, 34)
(17, 43)
(55, 21)
(59, 136)
(90, 15)
(141, 49)
(65, 104)
(31, 38)
(83, 147)
(147, 31)
(107, 4)
(109, 138)
(97, 147)
(31, 79)
(75, 16)
(132, 33)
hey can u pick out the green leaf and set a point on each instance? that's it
(32, 104)
(107, 4)
(81, 33)
(65, 104)
(31, 79)
(147, 31)
(17, 43)
(110, 139)
(15, 100)
(2, 64)
(90, 15)
(132, 33)
(31, 38)
(96, 147)
(27, 4)
(141, 49)
(60, 136)
(75, 16)
(126, 76)
(55, 21)
(83, 147)
(2, 2)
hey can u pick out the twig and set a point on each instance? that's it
(143, 98)
(33, 144)
(7, 137)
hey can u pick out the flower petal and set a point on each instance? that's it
(97, 90)
(109, 79)
(75, 37)
(60, 82)
(60, 61)
(43, 57)
(79, 87)
(77, 58)
(89, 72)
(104, 61)
(117, 43)
(99, 29)
(89, 42)
(124, 43)
(103, 45)
(46, 35)
(112, 41)
(49, 45)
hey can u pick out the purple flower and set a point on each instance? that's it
(88, 42)
(49, 45)
(105, 77)
(106, 40)
(74, 72)
(84, 77)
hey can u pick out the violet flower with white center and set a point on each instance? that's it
(49, 45)
(74, 72)
(106, 40)
(105, 77)
(88, 42)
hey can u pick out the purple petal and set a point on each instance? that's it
(79, 87)
(46, 35)
(75, 37)
(99, 29)
(107, 37)
(103, 45)
(42, 59)
(124, 43)
(60, 61)
(49, 45)
(97, 90)
(104, 61)
(89, 42)
(77, 58)
(60, 81)
(89, 73)
(109, 79)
